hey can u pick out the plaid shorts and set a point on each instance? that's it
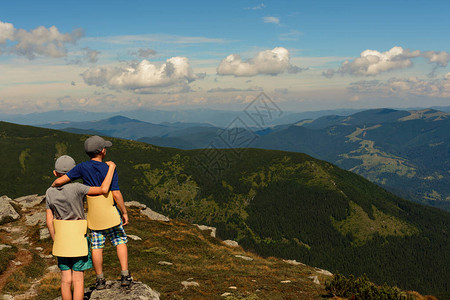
(115, 234)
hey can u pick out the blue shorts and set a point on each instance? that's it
(80, 263)
(115, 234)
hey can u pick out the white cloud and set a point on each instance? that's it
(257, 7)
(268, 62)
(144, 52)
(271, 19)
(87, 55)
(173, 76)
(292, 35)
(439, 88)
(372, 62)
(42, 41)
(6, 32)
(226, 90)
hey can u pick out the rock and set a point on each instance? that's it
(44, 234)
(35, 219)
(153, 215)
(315, 279)
(3, 246)
(165, 263)
(149, 213)
(187, 284)
(7, 297)
(53, 269)
(232, 288)
(231, 243)
(226, 294)
(137, 290)
(29, 201)
(7, 211)
(134, 237)
(46, 256)
(285, 281)
(39, 248)
(204, 227)
(244, 257)
(293, 262)
(135, 204)
(324, 272)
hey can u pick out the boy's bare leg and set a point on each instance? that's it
(122, 254)
(78, 285)
(97, 260)
(66, 283)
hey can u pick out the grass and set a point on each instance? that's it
(196, 256)
(6, 254)
(363, 228)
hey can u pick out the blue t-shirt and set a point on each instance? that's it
(93, 173)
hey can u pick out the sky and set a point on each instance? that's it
(304, 55)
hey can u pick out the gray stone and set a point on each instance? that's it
(293, 262)
(244, 257)
(187, 284)
(231, 243)
(164, 263)
(30, 200)
(134, 237)
(153, 215)
(135, 204)
(44, 234)
(53, 269)
(204, 227)
(35, 219)
(315, 279)
(226, 294)
(3, 246)
(7, 211)
(113, 291)
(324, 272)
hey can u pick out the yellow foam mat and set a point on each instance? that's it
(70, 240)
(101, 212)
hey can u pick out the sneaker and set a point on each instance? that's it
(126, 280)
(100, 284)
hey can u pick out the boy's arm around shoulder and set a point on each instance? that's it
(61, 180)
(104, 188)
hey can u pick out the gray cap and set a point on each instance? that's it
(95, 144)
(64, 164)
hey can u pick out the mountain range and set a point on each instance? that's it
(275, 203)
(405, 152)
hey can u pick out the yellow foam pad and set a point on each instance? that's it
(101, 212)
(70, 240)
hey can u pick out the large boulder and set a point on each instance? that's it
(113, 291)
(137, 290)
(29, 201)
(7, 211)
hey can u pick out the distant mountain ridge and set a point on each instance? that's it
(404, 151)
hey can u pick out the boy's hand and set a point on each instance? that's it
(110, 164)
(125, 219)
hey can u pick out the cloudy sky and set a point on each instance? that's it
(305, 55)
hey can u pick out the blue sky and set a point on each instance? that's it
(306, 55)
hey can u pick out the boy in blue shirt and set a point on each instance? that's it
(92, 172)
